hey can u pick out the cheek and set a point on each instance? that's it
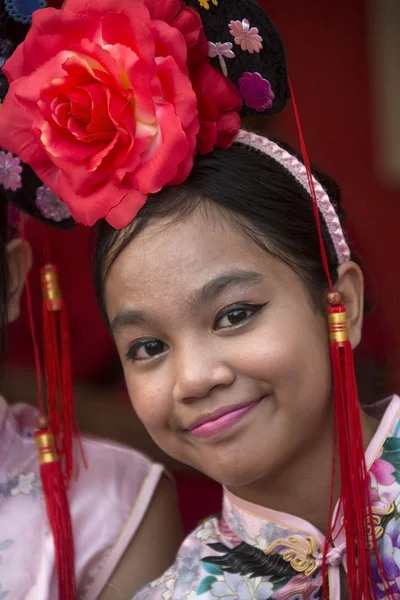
(150, 400)
(291, 354)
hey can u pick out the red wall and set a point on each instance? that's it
(327, 48)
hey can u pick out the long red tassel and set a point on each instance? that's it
(52, 477)
(353, 470)
(54, 490)
(354, 498)
(55, 445)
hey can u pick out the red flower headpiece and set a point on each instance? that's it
(109, 101)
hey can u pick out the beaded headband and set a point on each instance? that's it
(299, 172)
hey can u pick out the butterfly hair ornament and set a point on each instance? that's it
(108, 101)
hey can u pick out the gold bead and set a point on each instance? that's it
(334, 298)
(43, 423)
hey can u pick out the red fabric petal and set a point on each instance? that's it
(96, 9)
(170, 42)
(133, 33)
(94, 203)
(167, 10)
(177, 90)
(172, 147)
(52, 31)
(228, 126)
(207, 136)
(121, 215)
(189, 23)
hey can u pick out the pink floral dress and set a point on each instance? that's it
(252, 553)
(108, 502)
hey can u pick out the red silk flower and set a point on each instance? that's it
(109, 101)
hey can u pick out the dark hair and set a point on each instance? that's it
(4, 277)
(259, 197)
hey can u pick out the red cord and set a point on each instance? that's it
(36, 352)
(312, 188)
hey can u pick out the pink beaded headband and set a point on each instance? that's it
(299, 172)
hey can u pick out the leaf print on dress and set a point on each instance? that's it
(391, 456)
(249, 562)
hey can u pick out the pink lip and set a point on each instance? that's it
(221, 419)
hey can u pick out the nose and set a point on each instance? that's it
(198, 372)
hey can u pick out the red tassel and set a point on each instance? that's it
(52, 476)
(355, 499)
(58, 514)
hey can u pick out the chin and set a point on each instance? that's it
(232, 472)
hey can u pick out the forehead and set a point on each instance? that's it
(170, 260)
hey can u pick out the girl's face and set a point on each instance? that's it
(225, 358)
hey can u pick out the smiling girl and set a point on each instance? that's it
(224, 273)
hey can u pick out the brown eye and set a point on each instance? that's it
(234, 316)
(146, 349)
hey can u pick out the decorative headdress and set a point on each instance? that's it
(110, 100)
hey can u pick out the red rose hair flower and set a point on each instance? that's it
(104, 103)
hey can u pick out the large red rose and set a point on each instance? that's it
(102, 106)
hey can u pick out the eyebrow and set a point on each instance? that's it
(129, 317)
(208, 292)
(213, 288)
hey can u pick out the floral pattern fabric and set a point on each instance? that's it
(27, 554)
(252, 553)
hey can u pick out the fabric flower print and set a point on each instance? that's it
(256, 91)
(383, 472)
(188, 570)
(390, 472)
(24, 484)
(206, 531)
(389, 546)
(163, 578)
(226, 531)
(235, 586)
(10, 171)
(246, 37)
(169, 589)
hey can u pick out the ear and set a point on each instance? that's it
(350, 284)
(15, 250)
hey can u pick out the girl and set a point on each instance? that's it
(225, 350)
(217, 263)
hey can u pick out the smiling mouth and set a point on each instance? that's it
(222, 419)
